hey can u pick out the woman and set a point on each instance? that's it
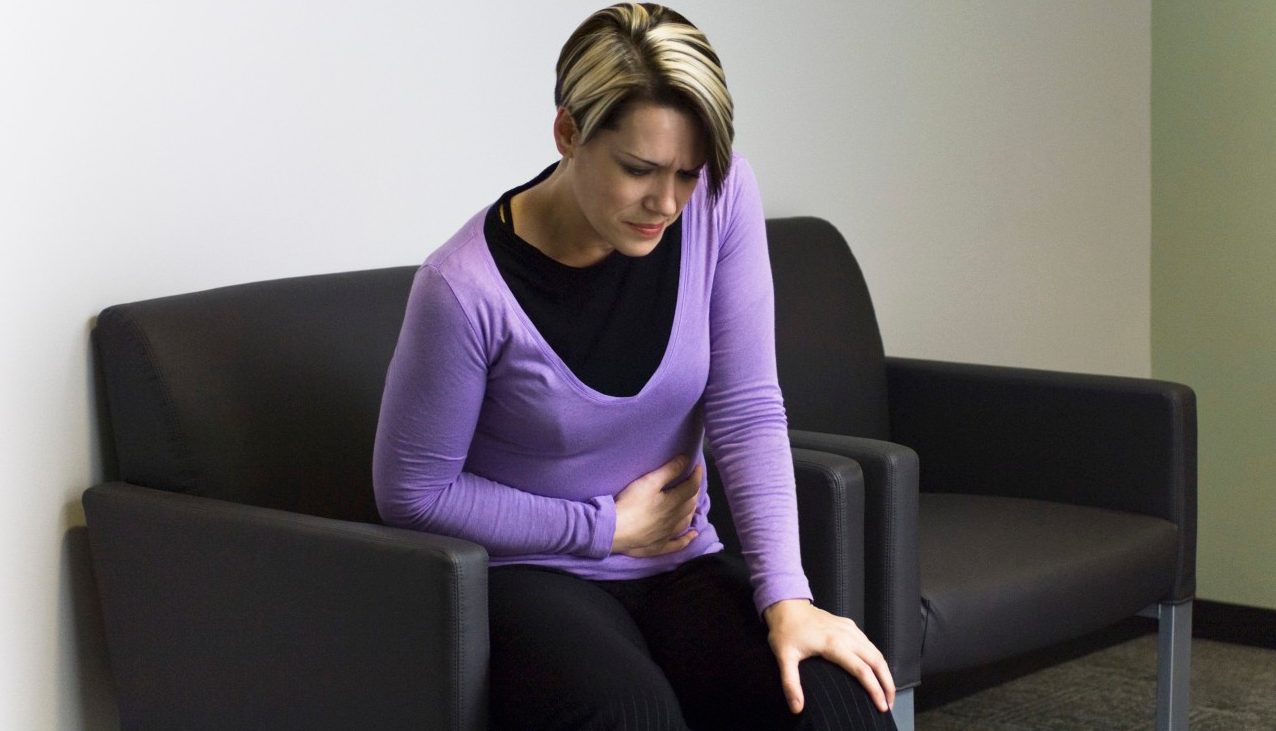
(561, 360)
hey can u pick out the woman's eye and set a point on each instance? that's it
(689, 174)
(636, 172)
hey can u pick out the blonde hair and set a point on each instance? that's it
(634, 52)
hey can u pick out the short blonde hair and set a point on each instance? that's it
(635, 52)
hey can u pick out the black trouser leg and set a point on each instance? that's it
(703, 630)
(645, 654)
(566, 655)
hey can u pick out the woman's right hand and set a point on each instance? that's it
(651, 520)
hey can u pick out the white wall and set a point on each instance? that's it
(988, 160)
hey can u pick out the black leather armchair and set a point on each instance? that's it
(244, 577)
(1006, 509)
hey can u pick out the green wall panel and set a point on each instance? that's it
(1214, 271)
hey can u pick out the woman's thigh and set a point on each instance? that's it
(567, 655)
(701, 627)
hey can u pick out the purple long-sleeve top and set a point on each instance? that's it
(485, 434)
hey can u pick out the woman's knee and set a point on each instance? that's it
(834, 699)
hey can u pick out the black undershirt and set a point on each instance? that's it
(609, 322)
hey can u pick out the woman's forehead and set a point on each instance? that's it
(660, 135)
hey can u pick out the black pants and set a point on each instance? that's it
(680, 650)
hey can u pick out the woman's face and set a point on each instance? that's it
(631, 182)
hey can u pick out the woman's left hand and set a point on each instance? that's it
(799, 629)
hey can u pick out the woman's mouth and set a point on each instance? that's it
(647, 230)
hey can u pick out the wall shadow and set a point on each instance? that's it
(84, 640)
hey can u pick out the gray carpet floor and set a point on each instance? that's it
(1233, 687)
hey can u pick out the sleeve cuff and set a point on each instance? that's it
(796, 587)
(604, 527)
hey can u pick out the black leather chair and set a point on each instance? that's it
(1007, 509)
(244, 577)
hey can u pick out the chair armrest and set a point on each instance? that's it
(1102, 441)
(830, 500)
(892, 569)
(221, 615)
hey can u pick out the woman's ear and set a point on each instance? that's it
(566, 135)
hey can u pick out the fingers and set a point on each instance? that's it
(791, 682)
(678, 503)
(686, 496)
(670, 546)
(799, 630)
(652, 520)
(875, 666)
(660, 478)
(665, 478)
(689, 486)
(884, 677)
(666, 473)
(869, 667)
(867, 678)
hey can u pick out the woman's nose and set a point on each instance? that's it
(663, 197)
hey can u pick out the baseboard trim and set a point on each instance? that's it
(1235, 623)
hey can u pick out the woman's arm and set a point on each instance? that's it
(744, 411)
(429, 411)
(433, 396)
(745, 423)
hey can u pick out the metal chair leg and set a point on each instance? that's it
(903, 711)
(1173, 666)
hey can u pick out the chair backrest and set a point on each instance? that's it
(263, 393)
(828, 347)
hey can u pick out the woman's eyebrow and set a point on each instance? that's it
(644, 161)
(650, 163)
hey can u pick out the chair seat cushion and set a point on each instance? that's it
(1001, 576)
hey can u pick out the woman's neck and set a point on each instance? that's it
(548, 217)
